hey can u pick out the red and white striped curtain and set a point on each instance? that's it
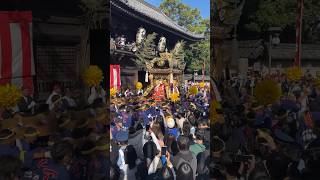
(16, 50)
(115, 78)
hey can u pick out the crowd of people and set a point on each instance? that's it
(64, 138)
(276, 141)
(155, 137)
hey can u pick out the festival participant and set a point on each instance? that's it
(128, 93)
(56, 92)
(28, 146)
(155, 125)
(56, 104)
(97, 96)
(159, 91)
(7, 143)
(122, 161)
(67, 100)
(99, 162)
(171, 127)
(79, 168)
(118, 126)
(140, 92)
(11, 168)
(26, 104)
(56, 168)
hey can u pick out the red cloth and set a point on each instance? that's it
(159, 92)
(16, 49)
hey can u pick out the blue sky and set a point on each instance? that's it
(202, 5)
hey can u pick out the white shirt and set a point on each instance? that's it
(49, 101)
(70, 101)
(94, 95)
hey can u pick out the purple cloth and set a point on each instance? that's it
(9, 150)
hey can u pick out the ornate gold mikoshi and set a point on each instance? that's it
(151, 79)
(166, 56)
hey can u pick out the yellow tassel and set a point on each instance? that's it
(92, 76)
(193, 90)
(294, 74)
(139, 85)
(267, 92)
(9, 96)
(174, 97)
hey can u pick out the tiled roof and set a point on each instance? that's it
(156, 15)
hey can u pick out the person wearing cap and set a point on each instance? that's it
(171, 126)
(122, 139)
(100, 161)
(118, 126)
(26, 104)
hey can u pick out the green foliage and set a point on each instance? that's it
(196, 54)
(279, 13)
(95, 12)
(146, 53)
(185, 16)
(282, 13)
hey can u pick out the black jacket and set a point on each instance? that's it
(23, 104)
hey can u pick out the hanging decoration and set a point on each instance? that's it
(294, 74)
(92, 76)
(202, 84)
(113, 92)
(267, 92)
(139, 85)
(9, 96)
(174, 97)
(193, 90)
